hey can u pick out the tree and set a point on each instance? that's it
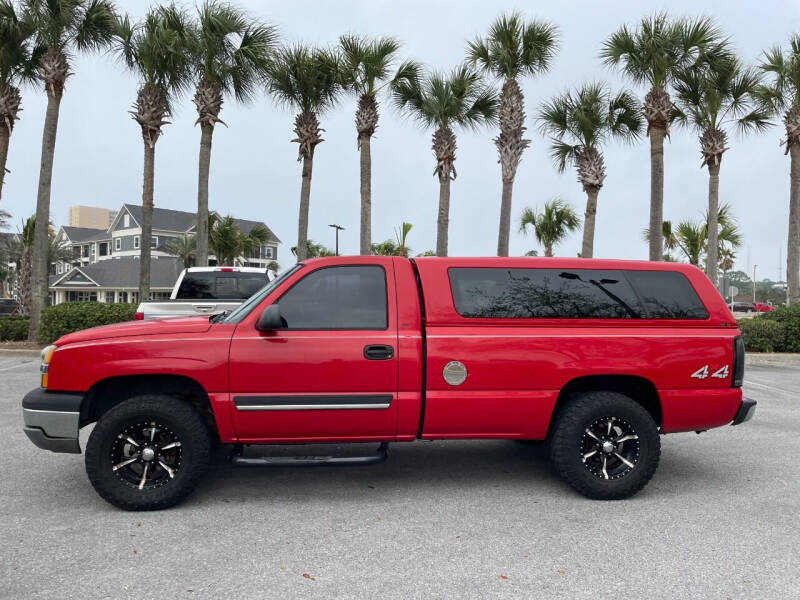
(18, 59)
(512, 49)
(230, 55)
(781, 96)
(183, 247)
(652, 55)
(228, 242)
(314, 250)
(157, 51)
(580, 123)
(396, 247)
(63, 28)
(365, 69)
(551, 225)
(19, 249)
(442, 102)
(308, 81)
(708, 100)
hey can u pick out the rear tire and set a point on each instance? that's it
(605, 445)
(148, 453)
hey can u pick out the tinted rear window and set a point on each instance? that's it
(210, 285)
(667, 295)
(573, 294)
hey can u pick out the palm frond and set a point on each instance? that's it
(305, 78)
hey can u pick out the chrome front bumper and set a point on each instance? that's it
(52, 420)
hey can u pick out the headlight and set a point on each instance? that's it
(47, 354)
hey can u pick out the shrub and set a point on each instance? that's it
(762, 335)
(14, 329)
(73, 316)
(789, 317)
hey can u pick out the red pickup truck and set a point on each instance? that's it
(599, 357)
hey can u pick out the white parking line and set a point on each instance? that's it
(17, 365)
(764, 385)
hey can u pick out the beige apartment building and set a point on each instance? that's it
(90, 217)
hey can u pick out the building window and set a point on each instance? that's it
(103, 251)
(123, 297)
(85, 252)
(93, 249)
(268, 252)
(59, 268)
(126, 220)
(160, 295)
(75, 296)
(118, 244)
(135, 242)
(109, 297)
(154, 241)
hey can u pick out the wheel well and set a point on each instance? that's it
(639, 389)
(107, 393)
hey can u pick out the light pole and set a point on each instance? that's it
(754, 283)
(337, 228)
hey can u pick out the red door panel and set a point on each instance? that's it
(292, 385)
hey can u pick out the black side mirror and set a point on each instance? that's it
(271, 319)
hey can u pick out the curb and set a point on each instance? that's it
(773, 358)
(20, 352)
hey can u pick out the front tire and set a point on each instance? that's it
(148, 453)
(605, 445)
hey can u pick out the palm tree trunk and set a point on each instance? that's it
(443, 220)
(366, 194)
(548, 250)
(712, 245)
(656, 192)
(39, 275)
(505, 218)
(147, 221)
(793, 250)
(587, 248)
(206, 133)
(5, 137)
(305, 198)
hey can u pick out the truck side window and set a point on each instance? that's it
(345, 297)
(543, 293)
(667, 295)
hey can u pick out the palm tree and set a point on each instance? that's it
(314, 250)
(308, 81)
(445, 101)
(512, 49)
(20, 251)
(366, 66)
(579, 124)
(228, 243)
(708, 100)
(396, 247)
(781, 96)
(18, 59)
(63, 27)
(157, 52)
(551, 225)
(652, 55)
(183, 247)
(231, 56)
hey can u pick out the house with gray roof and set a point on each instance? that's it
(119, 245)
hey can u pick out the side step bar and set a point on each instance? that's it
(311, 461)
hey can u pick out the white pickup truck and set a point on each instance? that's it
(207, 291)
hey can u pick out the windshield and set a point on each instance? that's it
(244, 309)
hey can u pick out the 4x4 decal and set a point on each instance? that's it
(702, 372)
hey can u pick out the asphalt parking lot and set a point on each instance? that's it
(721, 519)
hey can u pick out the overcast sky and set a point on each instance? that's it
(254, 173)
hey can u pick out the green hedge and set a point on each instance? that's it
(789, 317)
(762, 335)
(73, 316)
(14, 329)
